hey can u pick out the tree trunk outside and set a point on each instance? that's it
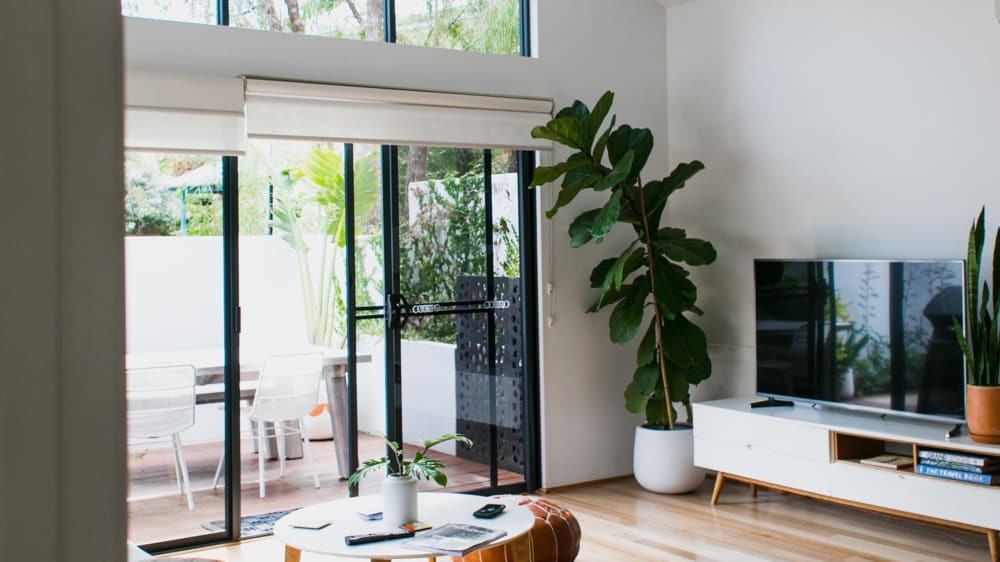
(373, 27)
(271, 15)
(294, 16)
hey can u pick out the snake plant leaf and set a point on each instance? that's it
(600, 111)
(566, 130)
(674, 292)
(686, 345)
(607, 217)
(643, 384)
(647, 346)
(626, 318)
(579, 229)
(675, 244)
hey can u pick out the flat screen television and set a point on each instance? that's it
(873, 335)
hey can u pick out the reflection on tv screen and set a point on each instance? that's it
(873, 334)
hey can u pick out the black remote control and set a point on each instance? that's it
(376, 537)
(489, 511)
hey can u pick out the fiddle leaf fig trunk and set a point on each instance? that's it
(647, 275)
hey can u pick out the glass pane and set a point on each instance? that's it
(449, 382)
(173, 288)
(192, 11)
(292, 290)
(484, 26)
(349, 19)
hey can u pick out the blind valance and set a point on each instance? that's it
(295, 110)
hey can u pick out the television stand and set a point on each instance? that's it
(771, 402)
(817, 453)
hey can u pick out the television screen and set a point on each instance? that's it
(878, 335)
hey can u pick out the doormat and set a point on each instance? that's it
(252, 525)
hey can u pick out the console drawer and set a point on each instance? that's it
(764, 464)
(762, 432)
(923, 495)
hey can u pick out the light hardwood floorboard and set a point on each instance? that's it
(622, 522)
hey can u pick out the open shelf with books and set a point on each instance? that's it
(875, 452)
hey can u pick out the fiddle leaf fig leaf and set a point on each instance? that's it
(597, 116)
(566, 130)
(685, 345)
(546, 174)
(675, 293)
(602, 142)
(647, 346)
(621, 171)
(607, 217)
(579, 229)
(643, 385)
(639, 141)
(627, 314)
(675, 244)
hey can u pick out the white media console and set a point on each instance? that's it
(816, 451)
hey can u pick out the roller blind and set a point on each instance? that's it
(294, 110)
(184, 113)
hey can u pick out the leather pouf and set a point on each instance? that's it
(555, 537)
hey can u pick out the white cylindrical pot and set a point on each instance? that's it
(399, 500)
(663, 460)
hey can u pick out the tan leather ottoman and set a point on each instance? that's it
(555, 537)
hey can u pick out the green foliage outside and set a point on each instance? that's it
(448, 239)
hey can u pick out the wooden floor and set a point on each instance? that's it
(621, 522)
(158, 512)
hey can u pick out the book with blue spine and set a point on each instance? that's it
(991, 469)
(963, 458)
(961, 475)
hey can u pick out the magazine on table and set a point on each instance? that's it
(455, 539)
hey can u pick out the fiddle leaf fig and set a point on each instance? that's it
(648, 275)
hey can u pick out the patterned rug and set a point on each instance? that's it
(252, 525)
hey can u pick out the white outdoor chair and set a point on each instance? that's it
(160, 403)
(286, 391)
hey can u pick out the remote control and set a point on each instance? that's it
(376, 537)
(489, 511)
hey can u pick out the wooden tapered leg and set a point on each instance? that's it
(292, 554)
(753, 490)
(720, 479)
(991, 535)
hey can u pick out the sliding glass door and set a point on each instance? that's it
(174, 342)
(453, 335)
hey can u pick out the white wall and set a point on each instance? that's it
(62, 444)
(584, 47)
(829, 129)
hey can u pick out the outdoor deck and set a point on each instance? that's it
(158, 512)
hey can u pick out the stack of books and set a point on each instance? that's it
(959, 466)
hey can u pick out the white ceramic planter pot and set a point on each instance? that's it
(663, 460)
(399, 500)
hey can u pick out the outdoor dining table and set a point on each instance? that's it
(209, 367)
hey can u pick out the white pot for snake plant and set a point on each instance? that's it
(663, 459)
(399, 500)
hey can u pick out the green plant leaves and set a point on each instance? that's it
(644, 383)
(624, 139)
(686, 347)
(567, 130)
(674, 244)
(579, 229)
(674, 292)
(627, 314)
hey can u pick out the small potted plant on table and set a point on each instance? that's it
(399, 489)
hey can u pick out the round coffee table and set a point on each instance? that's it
(436, 509)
